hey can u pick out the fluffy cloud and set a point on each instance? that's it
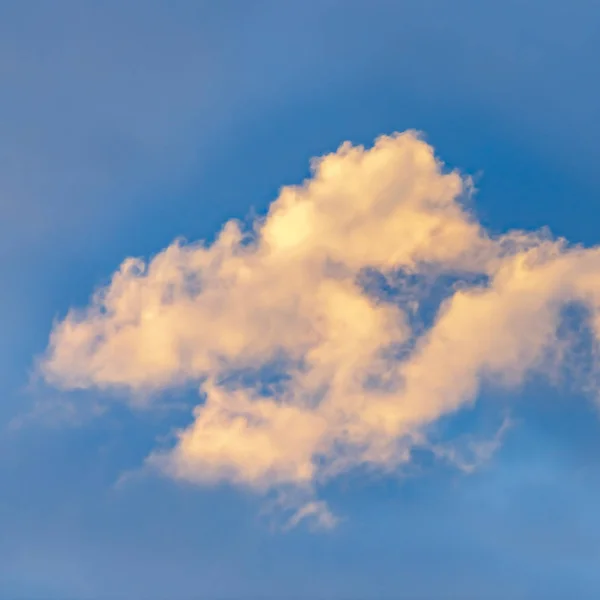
(308, 334)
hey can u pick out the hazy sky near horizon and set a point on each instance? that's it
(365, 441)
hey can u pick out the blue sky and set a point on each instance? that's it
(127, 125)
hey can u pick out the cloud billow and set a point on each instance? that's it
(366, 304)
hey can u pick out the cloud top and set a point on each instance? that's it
(309, 334)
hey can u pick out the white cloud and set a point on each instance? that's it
(315, 510)
(352, 378)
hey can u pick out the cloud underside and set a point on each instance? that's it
(330, 333)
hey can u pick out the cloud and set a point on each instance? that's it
(318, 511)
(308, 334)
(471, 455)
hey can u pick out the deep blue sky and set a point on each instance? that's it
(125, 125)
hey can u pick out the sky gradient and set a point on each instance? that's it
(128, 126)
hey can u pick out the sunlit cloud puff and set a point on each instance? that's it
(308, 332)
